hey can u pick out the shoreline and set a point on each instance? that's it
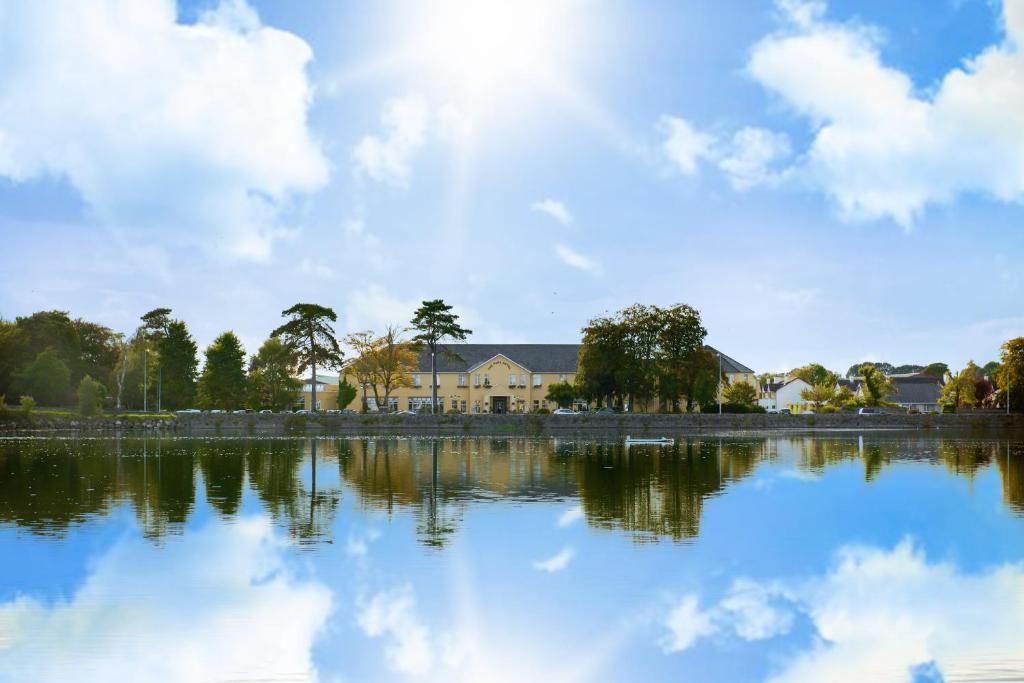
(528, 424)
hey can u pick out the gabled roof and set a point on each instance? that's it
(917, 389)
(730, 365)
(560, 358)
(322, 379)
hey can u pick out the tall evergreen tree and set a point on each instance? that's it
(436, 323)
(178, 366)
(309, 333)
(222, 384)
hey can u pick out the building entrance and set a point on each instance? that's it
(499, 405)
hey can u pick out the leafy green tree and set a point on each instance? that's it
(740, 394)
(50, 330)
(702, 380)
(90, 396)
(562, 393)
(877, 386)
(959, 390)
(815, 374)
(27, 404)
(1011, 374)
(383, 363)
(346, 393)
(47, 378)
(178, 365)
(820, 394)
(601, 361)
(936, 370)
(436, 324)
(680, 337)
(14, 345)
(272, 381)
(844, 396)
(222, 384)
(309, 333)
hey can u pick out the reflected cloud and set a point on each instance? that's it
(228, 604)
(392, 614)
(358, 544)
(570, 517)
(557, 562)
(876, 615)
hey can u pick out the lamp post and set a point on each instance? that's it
(145, 381)
(719, 382)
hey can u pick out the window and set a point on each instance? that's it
(536, 405)
(462, 406)
(512, 379)
(476, 380)
(319, 405)
(561, 378)
(522, 380)
(455, 404)
(462, 380)
(487, 379)
(417, 380)
(437, 383)
(536, 380)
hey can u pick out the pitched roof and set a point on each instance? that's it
(534, 357)
(730, 365)
(916, 389)
(323, 379)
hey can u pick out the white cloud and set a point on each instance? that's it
(571, 257)
(373, 308)
(358, 544)
(570, 516)
(750, 610)
(553, 208)
(316, 269)
(684, 145)
(388, 157)
(197, 131)
(557, 562)
(882, 148)
(686, 623)
(752, 156)
(104, 632)
(392, 614)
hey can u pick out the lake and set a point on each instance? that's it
(884, 556)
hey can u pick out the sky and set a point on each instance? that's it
(825, 181)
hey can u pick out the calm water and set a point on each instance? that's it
(840, 558)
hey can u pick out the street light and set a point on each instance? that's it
(719, 382)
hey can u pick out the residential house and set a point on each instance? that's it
(784, 394)
(916, 392)
(326, 392)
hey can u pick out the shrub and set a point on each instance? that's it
(738, 408)
(543, 411)
(90, 396)
(27, 404)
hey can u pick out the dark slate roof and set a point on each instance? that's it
(916, 389)
(730, 364)
(534, 357)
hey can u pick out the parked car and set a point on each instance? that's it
(217, 411)
(349, 411)
(405, 412)
(266, 411)
(869, 411)
(565, 411)
(302, 411)
(240, 411)
(785, 411)
(607, 411)
(772, 411)
(189, 411)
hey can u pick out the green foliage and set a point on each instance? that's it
(740, 394)
(222, 384)
(937, 370)
(959, 390)
(562, 393)
(886, 368)
(90, 396)
(815, 374)
(435, 323)
(272, 381)
(820, 394)
(876, 387)
(1010, 377)
(14, 346)
(346, 394)
(645, 352)
(309, 333)
(542, 411)
(27, 404)
(178, 365)
(47, 378)
(741, 408)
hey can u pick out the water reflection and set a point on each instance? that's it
(47, 485)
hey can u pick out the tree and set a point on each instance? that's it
(877, 386)
(960, 388)
(681, 337)
(936, 370)
(601, 359)
(815, 374)
(383, 363)
(272, 381)
(740, 394)
(90, 396)
(309, 333)
(97, 351)
(346, 393)
(1011, 374)
(222, 384)
(178, 366)
(46, 379)
(820, 394)
(561, 393)
(436, 323)
(14, 345)
(703, 380)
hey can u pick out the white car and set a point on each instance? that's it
(266, 411)
(189, 411)
(565, 411)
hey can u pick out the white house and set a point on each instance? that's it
(779, 395)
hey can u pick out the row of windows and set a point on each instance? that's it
(485, 380)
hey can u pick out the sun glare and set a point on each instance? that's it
(479, 46)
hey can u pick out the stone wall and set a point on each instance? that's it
(647, 425)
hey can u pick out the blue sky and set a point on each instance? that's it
(826, 182)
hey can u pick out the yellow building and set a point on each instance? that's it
(487, 378)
